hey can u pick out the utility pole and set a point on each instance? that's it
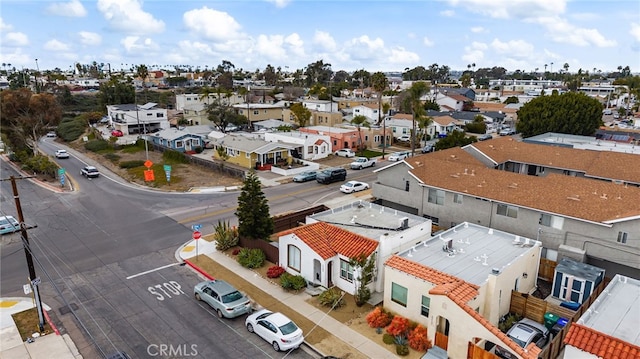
(27, 251)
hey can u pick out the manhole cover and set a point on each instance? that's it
(67, 308)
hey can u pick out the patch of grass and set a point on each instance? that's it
(369, 153)
(160, 177)
(27, 322)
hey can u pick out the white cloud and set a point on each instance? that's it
(72, 8)
(56, 45)
(17, 58)
(477, 29)
(90, 38)
(16, 39)
(270, 46)
(127, 16)
(475, 52)
(295, 44)
(561, 31)
(212, 24)
(427, 42)
(635, 31)
(513, 48)
(4, 26)
(325, 41)
(137, 45)
(447, 13)
(364, 48)
(506, 9)
(280, 3)
(400, 56)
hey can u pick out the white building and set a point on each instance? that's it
(132, 119)
(307, 146)
(370, 111)
(320, 105)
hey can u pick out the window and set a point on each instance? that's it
(426, 303)
(256, 112)
(457, 198)
(366, 138)
(293, 258)
(178, 144)
(159, 115)
(346, 270)
(309, 149)
(434, 220)
(509, 211)
(622, 237)
(436, 196)
(551, 221)
(406, 186)
(399, 294)
(545, 219)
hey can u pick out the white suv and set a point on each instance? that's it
(62, 154)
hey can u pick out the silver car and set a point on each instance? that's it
(227, 301)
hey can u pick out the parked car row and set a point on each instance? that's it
(228, 302)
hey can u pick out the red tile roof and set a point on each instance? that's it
(600, 344)
(444, 120)
(328, 240)
(459, 292)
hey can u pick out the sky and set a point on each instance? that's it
(374, 35)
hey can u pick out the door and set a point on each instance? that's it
(330, 274)
(317, 276)
(577, 290)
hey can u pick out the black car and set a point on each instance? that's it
(486, 136)
(331, 175)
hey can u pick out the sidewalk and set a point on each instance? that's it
(297, 302)
(12, 346)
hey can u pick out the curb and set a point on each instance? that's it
(48, 319)
(199, 270)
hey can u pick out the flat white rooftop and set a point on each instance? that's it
(368, 219)
(474, 251)
(616, 312)
(583, 143)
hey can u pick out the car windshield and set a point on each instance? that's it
(231, 297)
(288, 328)
(348, 184)
(518, 341)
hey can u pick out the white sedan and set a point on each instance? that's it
(353, 186)
(275, 328)
(398, 156)
(62, 154)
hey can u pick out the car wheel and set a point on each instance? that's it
(360, 167)
(250, 328)
(276, 347)
(198, 297)
(373, 164)
(219, 313)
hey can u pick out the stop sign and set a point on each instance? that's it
(197, 235)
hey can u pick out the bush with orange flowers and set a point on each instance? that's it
(418, 339)
(399, 326)
(378, 318)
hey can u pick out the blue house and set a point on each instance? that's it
(177, 139)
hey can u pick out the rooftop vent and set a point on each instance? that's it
(495, 271)
(403, 223)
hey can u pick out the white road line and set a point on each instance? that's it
(152, 270)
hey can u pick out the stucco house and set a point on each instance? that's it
(306, 146)
(389, 230)
(320, 105)
(340, 137)
(372, 137)
(134, 119)
(456, 283)
(191, 99)
(588, 219)
(177, 139)
(196, 114)
(400, 124)
(609, 328)
(452, 101)
(255, 112)
(441, 126)
(252, 152)
(370, 111)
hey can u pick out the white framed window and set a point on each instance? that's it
(424, 308)
(457, 198)
(506, 210)
(436, 196)
(179, 144)
(346, 270)
(552, 221)
(293, 258)
(309, 149)
(622, 237)
(399, 294)
(256, 112)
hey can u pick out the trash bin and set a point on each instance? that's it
(562, 322)
(550, 320)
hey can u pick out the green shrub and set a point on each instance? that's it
(198, 149)
(70, 129)
(40, 164)
(112, 157)
(292, 282)
(171, 156)
(331, 298)
(251, 258)
(225, 236)
(96, 145)
(402, 350)
(387, 338)
(131, 164)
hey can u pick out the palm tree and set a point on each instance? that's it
(379, 82)
(416, 91)
(423, 124)
(360, 121)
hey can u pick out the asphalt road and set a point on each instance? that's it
(96, 250)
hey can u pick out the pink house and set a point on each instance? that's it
(340, 137)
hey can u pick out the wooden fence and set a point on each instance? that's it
(547, 269)
(289, 220)
(270, 249)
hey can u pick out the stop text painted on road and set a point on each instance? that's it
(166, 290)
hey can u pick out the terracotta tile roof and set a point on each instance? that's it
(444, 120)
(402, 116)
(600, 344)
(460, 292)
(328, 240)
(494, 106)
(603, 164)
(581, 198)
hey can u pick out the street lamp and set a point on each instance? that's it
(37, 73)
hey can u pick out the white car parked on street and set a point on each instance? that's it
(276, 329)
(353, 186)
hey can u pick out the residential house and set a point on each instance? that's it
(400, 124)
(177, 139)
(441, 126)
(268, 125)
(370, 111)
(321, 114)
(452, 101)
(255, 112)
(371, 137)
(351, 102)
(306, 146)
(252, 152)
(457, 285)
(390, 231)
(133, 119)
(586, 219)
(340, 137)
(468, 93)
(609, 328)
(603, 141)
(184, 100)
(196, 114)
(320, 105)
